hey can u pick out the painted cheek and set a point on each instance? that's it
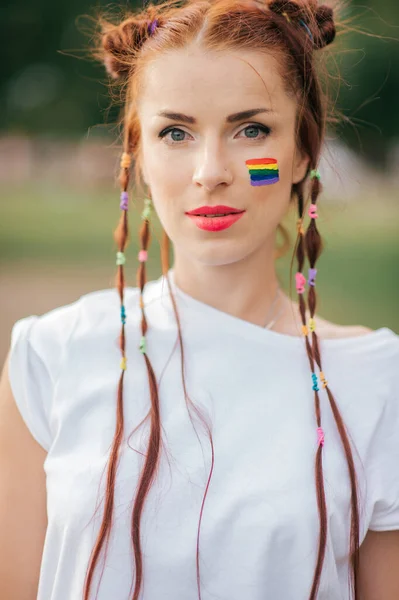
(263, 171)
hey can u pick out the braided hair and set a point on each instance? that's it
(298, 29)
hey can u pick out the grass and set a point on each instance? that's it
(357, 280)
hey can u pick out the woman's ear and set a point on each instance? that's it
(300, 166)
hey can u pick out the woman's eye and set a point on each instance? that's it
(175, 140)
(178, 134)
(252, 129)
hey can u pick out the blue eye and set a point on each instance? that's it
(263, 128)
(254, 126)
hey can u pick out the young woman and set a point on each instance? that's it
(202, 435)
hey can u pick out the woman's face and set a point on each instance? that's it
(198, 157)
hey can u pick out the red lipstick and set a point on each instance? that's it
(215, 218)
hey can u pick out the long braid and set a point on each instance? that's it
(321, 500)
(121, 237)
(313, 250)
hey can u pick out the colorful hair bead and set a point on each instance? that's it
(124, 201)
(151, 26)
(123, 363)
(143, 255)
(312, 277)
(300, 281)
(123, 314)
(322, 377)
(306, 28)
(315, 174)
(312, 324)
(125, 160)
(143, 345)
(315, 387)
(263, 171)
(313, 211)
(305, 330)
(141, 302)
(320, 436)
(284, 14)
(146, 214)
(120, 258)
(299, 227)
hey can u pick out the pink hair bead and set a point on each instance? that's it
(320, 434)
(143, 255)
(300, 283)
(313, 211)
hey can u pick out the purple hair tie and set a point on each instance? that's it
(312, 277)
(152, 25)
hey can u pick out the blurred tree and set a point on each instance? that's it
(46, 91)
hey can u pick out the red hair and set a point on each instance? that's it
(292, 31)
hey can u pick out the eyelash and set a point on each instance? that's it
(263, 128)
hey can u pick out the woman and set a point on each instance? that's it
(279, 428)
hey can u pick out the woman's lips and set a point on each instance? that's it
(215, 223)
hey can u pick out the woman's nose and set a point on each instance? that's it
(212, 170)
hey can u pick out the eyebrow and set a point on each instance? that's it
(245, 114)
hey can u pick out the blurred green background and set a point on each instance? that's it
(59, 154)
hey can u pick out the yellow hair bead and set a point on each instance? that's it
(126, 160)
(299, 226)
(286, 16)
(141, 302)
(123, 363)
(312, 324)
(322, 377)
(304, 330)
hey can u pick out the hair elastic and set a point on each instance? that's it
(152, 25)
(300, 281)
(125, 160)
(320, 436)
(299, 227)
(314, 377)
(312, 277)
(322, 377)
(307, 29)
(146, 214)
(124, 205)
(312, 324)
(143, 345)
(143, 255)
(120, 258)
(315, 174)
(312, 211)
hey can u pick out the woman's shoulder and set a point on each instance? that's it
(329, 331)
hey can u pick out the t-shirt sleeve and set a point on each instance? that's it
(38, 352)
(384, 460)
(30, 381)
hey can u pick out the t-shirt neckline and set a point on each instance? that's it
(247, 329)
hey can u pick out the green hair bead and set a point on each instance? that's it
(315, 174)
(120, 258)
(146, 214)
(143, 346)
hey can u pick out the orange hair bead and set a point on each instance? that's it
(126, 160)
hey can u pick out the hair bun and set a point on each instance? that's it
(324, 16)
(120, 43)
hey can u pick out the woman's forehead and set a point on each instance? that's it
(208, 81)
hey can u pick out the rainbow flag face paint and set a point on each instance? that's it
(263, 171)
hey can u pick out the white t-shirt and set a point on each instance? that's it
(260, 525)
